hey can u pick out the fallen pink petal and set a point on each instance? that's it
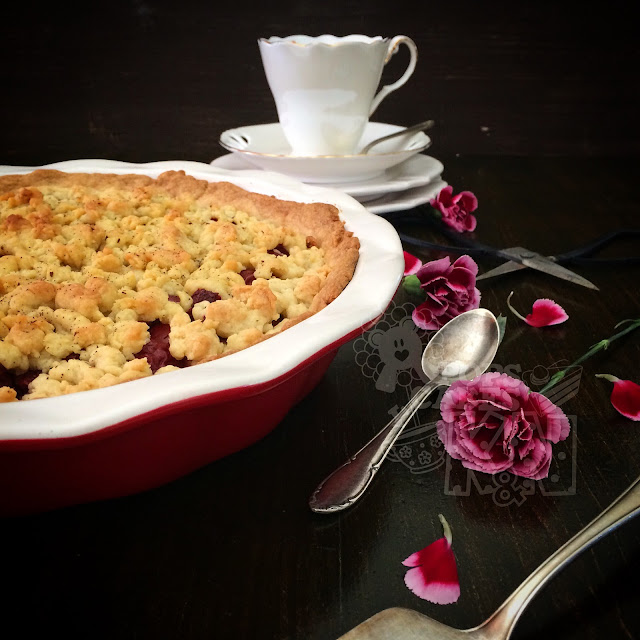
(545, 313)
(434, 573)
(625, 396)
(411, 264)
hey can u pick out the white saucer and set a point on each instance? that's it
(265, 146)
(414, 172)
(405, 199)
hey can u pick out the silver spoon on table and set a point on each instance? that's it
(422, 126)
(405, 624)
(461, 350)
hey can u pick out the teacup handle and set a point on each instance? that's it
(393, 48)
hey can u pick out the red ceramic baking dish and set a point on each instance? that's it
(128, 438)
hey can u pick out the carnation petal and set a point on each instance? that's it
(434, 573)
(554, 425)
(461, 278)
(443, 197)
(492, 466)
(536, 464)
(436, 592)
(484, 447)
(546, 313)
(423, 318)
(449, 437)
(411, 264)
(434, 269)
(468, 201)
(502, 389)
(474, 300)
(454, 399)
(471, 223)
(437, 306)
(625, 397)
(454, 221)
(468, 263)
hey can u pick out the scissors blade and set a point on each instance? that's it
(506, 267)
(546, 265)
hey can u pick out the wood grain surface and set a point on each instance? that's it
(536, 109)
(144, 80)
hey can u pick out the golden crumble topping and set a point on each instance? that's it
(106, 279)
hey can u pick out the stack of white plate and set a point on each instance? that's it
(394, 175)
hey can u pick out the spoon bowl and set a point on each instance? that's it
(462, 349)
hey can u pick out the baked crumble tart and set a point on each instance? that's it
(109, 278)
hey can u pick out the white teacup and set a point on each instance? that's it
(324, 87)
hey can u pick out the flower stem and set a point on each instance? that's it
(608, 377)
(599, 346)
(512, 309)
(446, 528)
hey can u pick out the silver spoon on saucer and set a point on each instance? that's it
(461, 350)
(422, 126)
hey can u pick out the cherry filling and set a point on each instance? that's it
(248, 276)
(202, 295)
(280, 250)
(6, 379)
(156, 351)
(19, 382)
(23, 381)
(174, 299)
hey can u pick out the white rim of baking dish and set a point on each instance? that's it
(374, 283)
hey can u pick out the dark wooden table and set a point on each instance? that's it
(536, 115)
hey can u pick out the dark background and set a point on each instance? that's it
(536, 106)
(160, 80)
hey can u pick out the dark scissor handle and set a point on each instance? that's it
(465, 243)
(583, 254)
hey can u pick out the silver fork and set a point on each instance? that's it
(404, 624)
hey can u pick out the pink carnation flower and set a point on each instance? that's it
(456, 210)
(494, 423)
(450, 289)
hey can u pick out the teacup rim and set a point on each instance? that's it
(325, 39)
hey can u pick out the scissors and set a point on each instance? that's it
(581, 255)
(520, 257)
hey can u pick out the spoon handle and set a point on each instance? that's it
(347, 483)
(501, 623)
(422, 126)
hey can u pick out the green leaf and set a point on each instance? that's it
(502, 327)
(411, 285)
